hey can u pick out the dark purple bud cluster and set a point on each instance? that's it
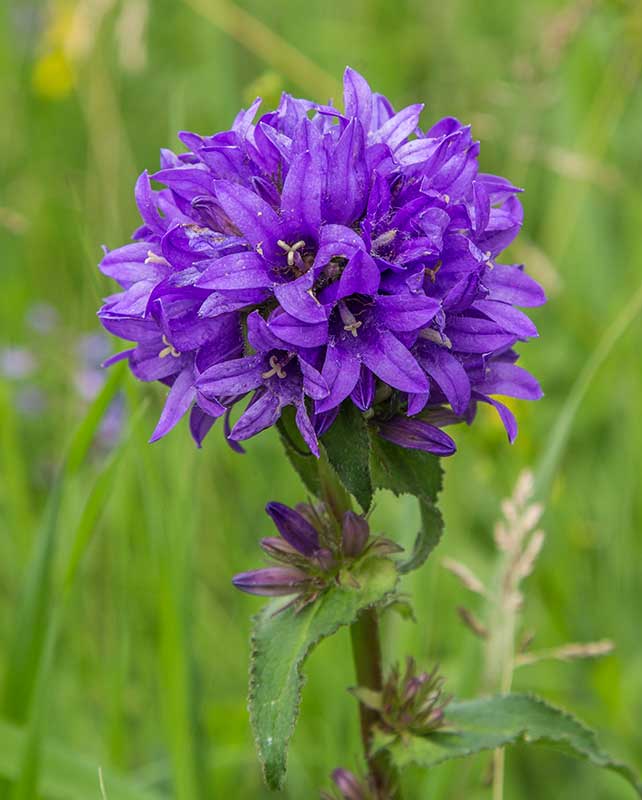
(410, 702)
(312, 551)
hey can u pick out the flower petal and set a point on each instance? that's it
(262, 412)
(301, 196)
(448, 373)
(406, 312)
(341, 371)
(235, 377)
(236, 271)
(257, 221)
(510, 380)
(180, 398)
(393, 363)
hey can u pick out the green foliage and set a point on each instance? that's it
(411, 472)
(348, 448)
(34, 607)
(65, 775)
(487, 723)
(281, 642)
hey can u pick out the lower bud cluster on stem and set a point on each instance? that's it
(313, 551)
(348, 787)
(409, 703)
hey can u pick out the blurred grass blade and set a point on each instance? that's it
(15, 481)
(32, 611)
(84, 435)
(560, 433)
(97, 500)
(267, 45)
(28, 775)
(65, 775)
(171, 537)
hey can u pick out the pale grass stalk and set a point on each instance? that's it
(101, 783)
(255, 36)
(519, 545)
(567, 652)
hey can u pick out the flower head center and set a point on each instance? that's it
(169, 350)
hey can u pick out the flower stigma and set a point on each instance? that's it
(350, 322)
(291, 249)
(277, 369)
(169, 350)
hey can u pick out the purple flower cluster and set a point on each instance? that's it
(318, 257)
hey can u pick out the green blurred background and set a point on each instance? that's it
(123, 643)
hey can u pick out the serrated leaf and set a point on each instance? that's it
(491, 722)
(406, 471)
(281, 643)
(348, 447)
(297, 452)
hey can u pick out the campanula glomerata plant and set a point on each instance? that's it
(337, 273)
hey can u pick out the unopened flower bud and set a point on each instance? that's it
(272, 581)
(294, 528)
(355, 534)
(278, 548)
(348, 784)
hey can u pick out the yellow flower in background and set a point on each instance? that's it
(69, 38)
(53, 75)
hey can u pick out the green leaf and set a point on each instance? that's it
(492, 722)
(280, 644)
(297, 452)
(348, 447)
(415, 472)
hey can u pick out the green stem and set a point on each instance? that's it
(366, 651)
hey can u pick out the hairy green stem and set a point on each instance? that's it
(366, 651)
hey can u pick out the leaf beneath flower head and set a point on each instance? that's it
(348, 447)
(415, 472)
(491, 722)
(280, 644)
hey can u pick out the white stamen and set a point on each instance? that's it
(350, 322)
(432, 273)
(384, 239)
(170, 350)
(152, 258)
(435, 336)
